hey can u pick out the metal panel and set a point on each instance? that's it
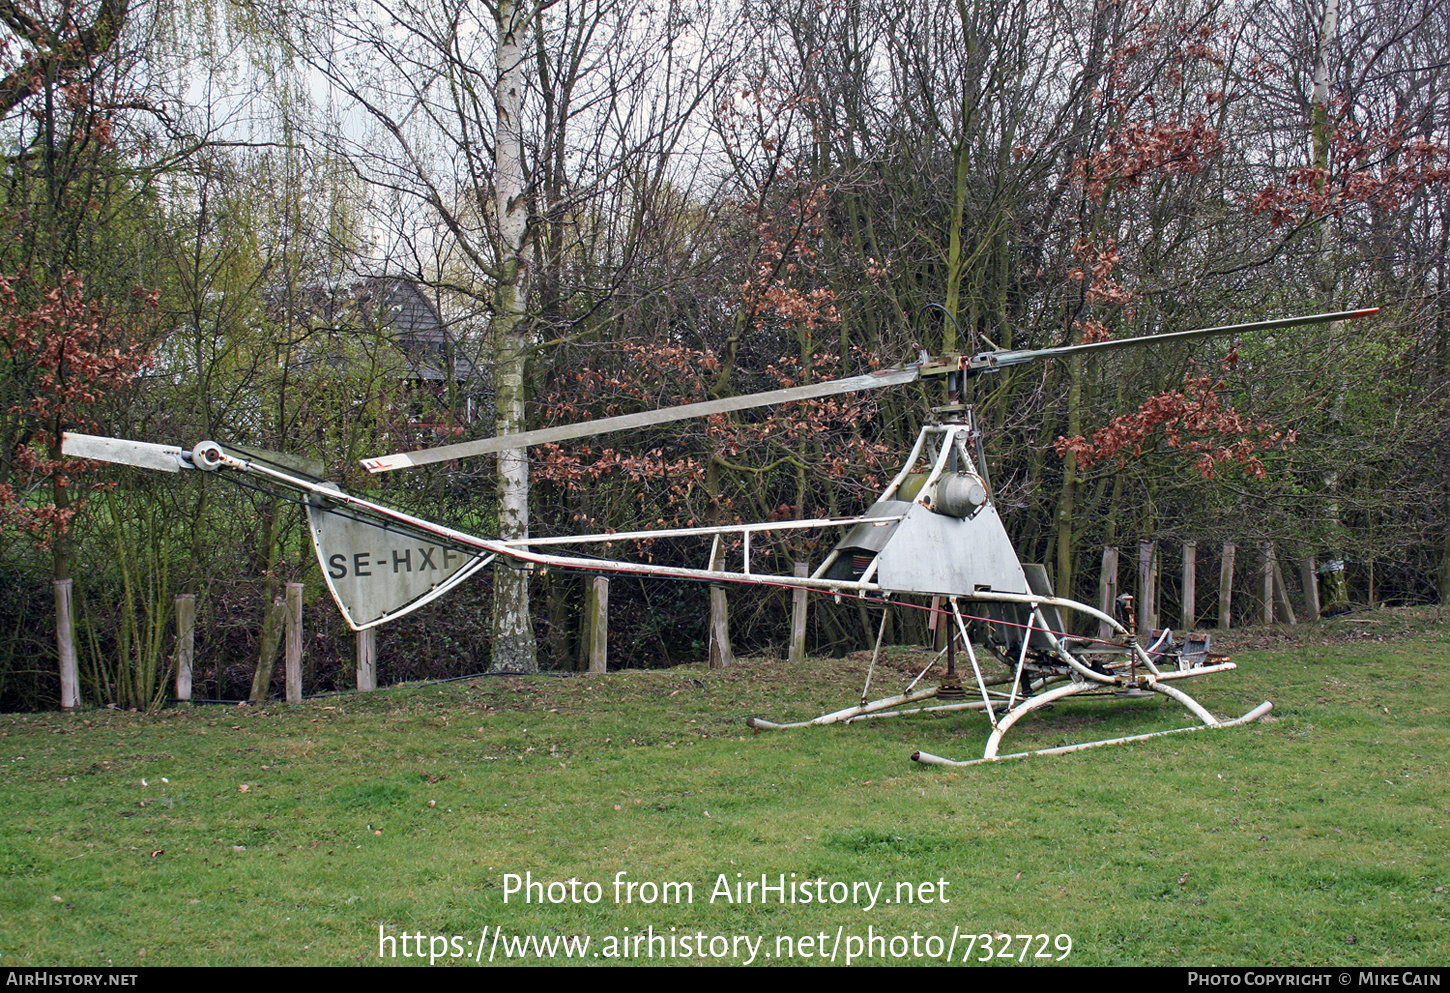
(873, 537)
(932, 553)
(1040, 584)
(378, 573)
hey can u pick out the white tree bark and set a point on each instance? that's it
(1335, 587)
(1319, 99)
(513, 633)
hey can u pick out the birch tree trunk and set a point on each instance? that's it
(513, 633)
(1335, 589)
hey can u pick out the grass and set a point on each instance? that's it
(299, 834)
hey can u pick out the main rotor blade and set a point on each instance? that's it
(984, 362)
(991, 361)
(644, 419)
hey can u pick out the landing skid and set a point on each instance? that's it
(926, 758)
(1048, 666)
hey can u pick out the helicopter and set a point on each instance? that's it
(933, 531)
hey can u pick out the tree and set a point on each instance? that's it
(72, 353)
(513, 633)
(1350, 200)
(74, 211)
(279, 342)
(529, 170)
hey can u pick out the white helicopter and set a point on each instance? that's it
(934, 531)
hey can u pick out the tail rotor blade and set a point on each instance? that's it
(142, 454)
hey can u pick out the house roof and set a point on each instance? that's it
(399, 308)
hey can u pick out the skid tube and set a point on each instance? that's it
(926, 758)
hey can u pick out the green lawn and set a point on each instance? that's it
(304, 834)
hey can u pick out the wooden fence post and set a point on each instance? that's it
(1282, 593)
(185, 643)
(720, 656)
(1267, 550)
(599, 624)
(70, 684)
(1226, 586)
(1108, 589)
(798, 616)
(1310, 577)
(1155, 586)
(1190, 584)
(1147, 585)
(367, 660)
(294, 642)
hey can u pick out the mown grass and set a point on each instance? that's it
(291, 834)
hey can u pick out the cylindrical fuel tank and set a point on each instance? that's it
(958, 494)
